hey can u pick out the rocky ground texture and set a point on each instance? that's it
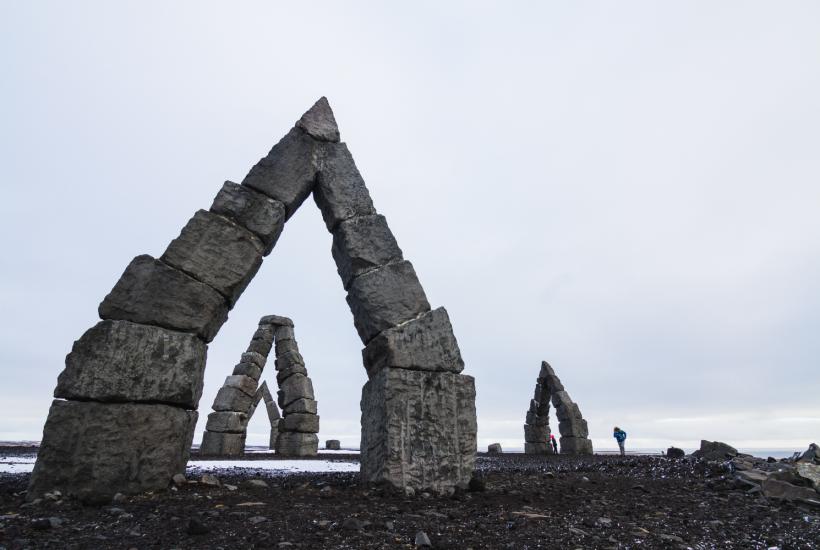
(515, 501)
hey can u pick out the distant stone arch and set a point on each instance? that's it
(236, 401)
(127, 399)
(571, 424)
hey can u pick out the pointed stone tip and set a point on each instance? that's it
(319, 121)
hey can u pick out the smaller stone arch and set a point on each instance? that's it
(294, 432)
(571, 424)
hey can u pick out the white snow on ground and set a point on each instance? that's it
(276, 466)
(321, 451)
(16, 467)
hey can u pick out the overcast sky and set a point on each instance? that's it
(628, 190)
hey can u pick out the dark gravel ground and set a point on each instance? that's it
(516, 501)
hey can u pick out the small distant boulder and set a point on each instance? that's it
(674, 452)
(494, 448)
(715, 450)
(811, 455)
(333, 445)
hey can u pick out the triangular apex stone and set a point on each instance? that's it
(319, 122)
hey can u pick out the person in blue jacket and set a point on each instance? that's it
(620, 437)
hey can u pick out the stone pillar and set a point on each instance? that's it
(418, 412)
(300, 423)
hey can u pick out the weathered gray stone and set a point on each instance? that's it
(385, 298)
(300, 422)
(319, 122)
(539, 393)
(534, 434)
(273, 411)
(426, 343)
(418, 429)
(153, 293)
(248, 369)
(284, 374)
(284, 346)
(284, 332)
(573, 427)
(494, 448)
(243, 383)
(214, 250)
(675, 452)
(297, 444)
(288, 360)
(362, 244)
(715, 450)
(340, 192)
(274, 434)
(575, 446)
(293, 388)
(93, 450)
(124, 361)
(301, 406)
(534, 404)
(565, 408)
(227, 421)
(536, 448)
(288, 172)
(256, 358)
(333, 445)
(262, 347)
(258, 213)
(275, 320)
(222, 444)
(780, 490)
(232, 399)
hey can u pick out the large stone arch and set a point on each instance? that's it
(127, 399)
(237, 399)
(571, 424)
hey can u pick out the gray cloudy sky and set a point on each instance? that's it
(628, 190)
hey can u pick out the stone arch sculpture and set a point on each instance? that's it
(234, 404)
(125, 412)
(571, 424)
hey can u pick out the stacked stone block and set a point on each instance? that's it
(300, 423)
(571, 425)
(167, 310)
(418, 412)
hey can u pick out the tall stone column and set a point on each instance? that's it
(418, 412)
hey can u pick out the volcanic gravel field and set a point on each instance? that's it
(515, 501)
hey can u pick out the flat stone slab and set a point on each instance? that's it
(284, 332)
(301, 406)
(362, 244)
(275, 320)
(385, 298)
(340, 191)
(227, 421)
(288, 172)
(121, 361)
(333, 445)
(288, 360)
(153, 293)
(536, 434)
(418, 429)
(222, 444)
(300, 422)
(258, 213)
(243, 383)
(297, 444)
(574, 427)
(218, 252)
(426, 343)
(93, 450)
(248, 369)
(565, 408)
(284, 374)
(232, 399)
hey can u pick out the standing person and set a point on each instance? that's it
(620, 437)
(554, 444)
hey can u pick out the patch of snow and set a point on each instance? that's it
(276, 466)
(16, 467)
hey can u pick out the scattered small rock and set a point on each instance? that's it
(256, 520)
(210, 480)
(179, 480)
(422, 539)
(255, 484)
(195, 527)
(352, 524)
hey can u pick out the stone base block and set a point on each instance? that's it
(94, 450)
(537, 448)
(418, 429)
(536, 434)
(222, 444)
(297, 444)
(227, 421)
(333, 445)
(575, 446)
(232, 399)
(574, 428)
(274, 434)
(494, 448)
